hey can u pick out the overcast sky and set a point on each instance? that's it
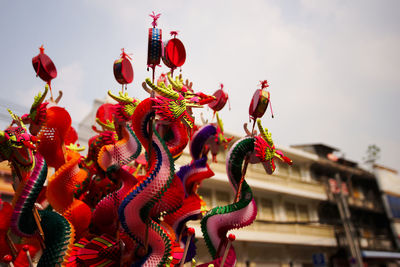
(333, 66)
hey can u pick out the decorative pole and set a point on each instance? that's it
(190, 232)
(231, 238)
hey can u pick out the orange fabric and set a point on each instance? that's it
(52, 136)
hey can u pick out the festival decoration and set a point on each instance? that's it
(154, 49)
(119, 205)
(174, 54)
(259, 102)
(44, 66)
(221, 97)
(123, 71)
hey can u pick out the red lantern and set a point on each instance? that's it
(174, 52)
(123, 71)
(44, 66)
(259, 102)
(221, 97)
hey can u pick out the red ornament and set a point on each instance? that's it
(123, 71)
(190, 231)
(7, 258)
(44, 66)
(220, 101)
(259, 103)
(105, 113)
(231, 237)
(174, 52)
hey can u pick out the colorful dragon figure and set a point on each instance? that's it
(220, 141)
(125, 107)
(174, 135)
(266, 151)
(61, 190)
(170, 104)
(101, 250)
(58, 232)
(16, 146)
(219, 220)
(134, 209)
(37, 113)
(192, 175)
(174, 102)
(112, 159)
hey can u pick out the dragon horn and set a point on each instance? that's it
(148, 90)
(219, 121)
(60, 94)
(40, 98)
(246, 129)
(177, 84)
(122, 98)
(16, 119)
(76, 148)
(264, 133)
(163, 90)
(109, 125)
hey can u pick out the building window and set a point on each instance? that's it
(296, 212)
(266, 209)
(283, 168)
(290, 210)
(205, 193)
(295, 171)
(303, 213)
(223, 198)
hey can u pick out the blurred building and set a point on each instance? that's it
(288, 230)
(389, 184)
(355, 207)
(6, 189)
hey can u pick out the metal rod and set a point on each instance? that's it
(37, 218)
(11, 245)
(189, 238)
(231, 238)
(244, 170)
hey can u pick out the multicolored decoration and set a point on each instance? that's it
(260, 101)
(121, 205)
(123, 71)
(154, 50)
(44, 66)
(221, 97)
(174, 54)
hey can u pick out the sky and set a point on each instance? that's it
(332, 66)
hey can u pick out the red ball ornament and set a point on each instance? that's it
(44, 66)
(123, 71)
(7, 258)
(105, 113)
(259, 102)
(231, 237)
(174, 52)
(190, 231)
(221, 97)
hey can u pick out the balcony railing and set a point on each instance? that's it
(380, 242)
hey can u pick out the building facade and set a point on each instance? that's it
(355, 207)
(287, 230)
